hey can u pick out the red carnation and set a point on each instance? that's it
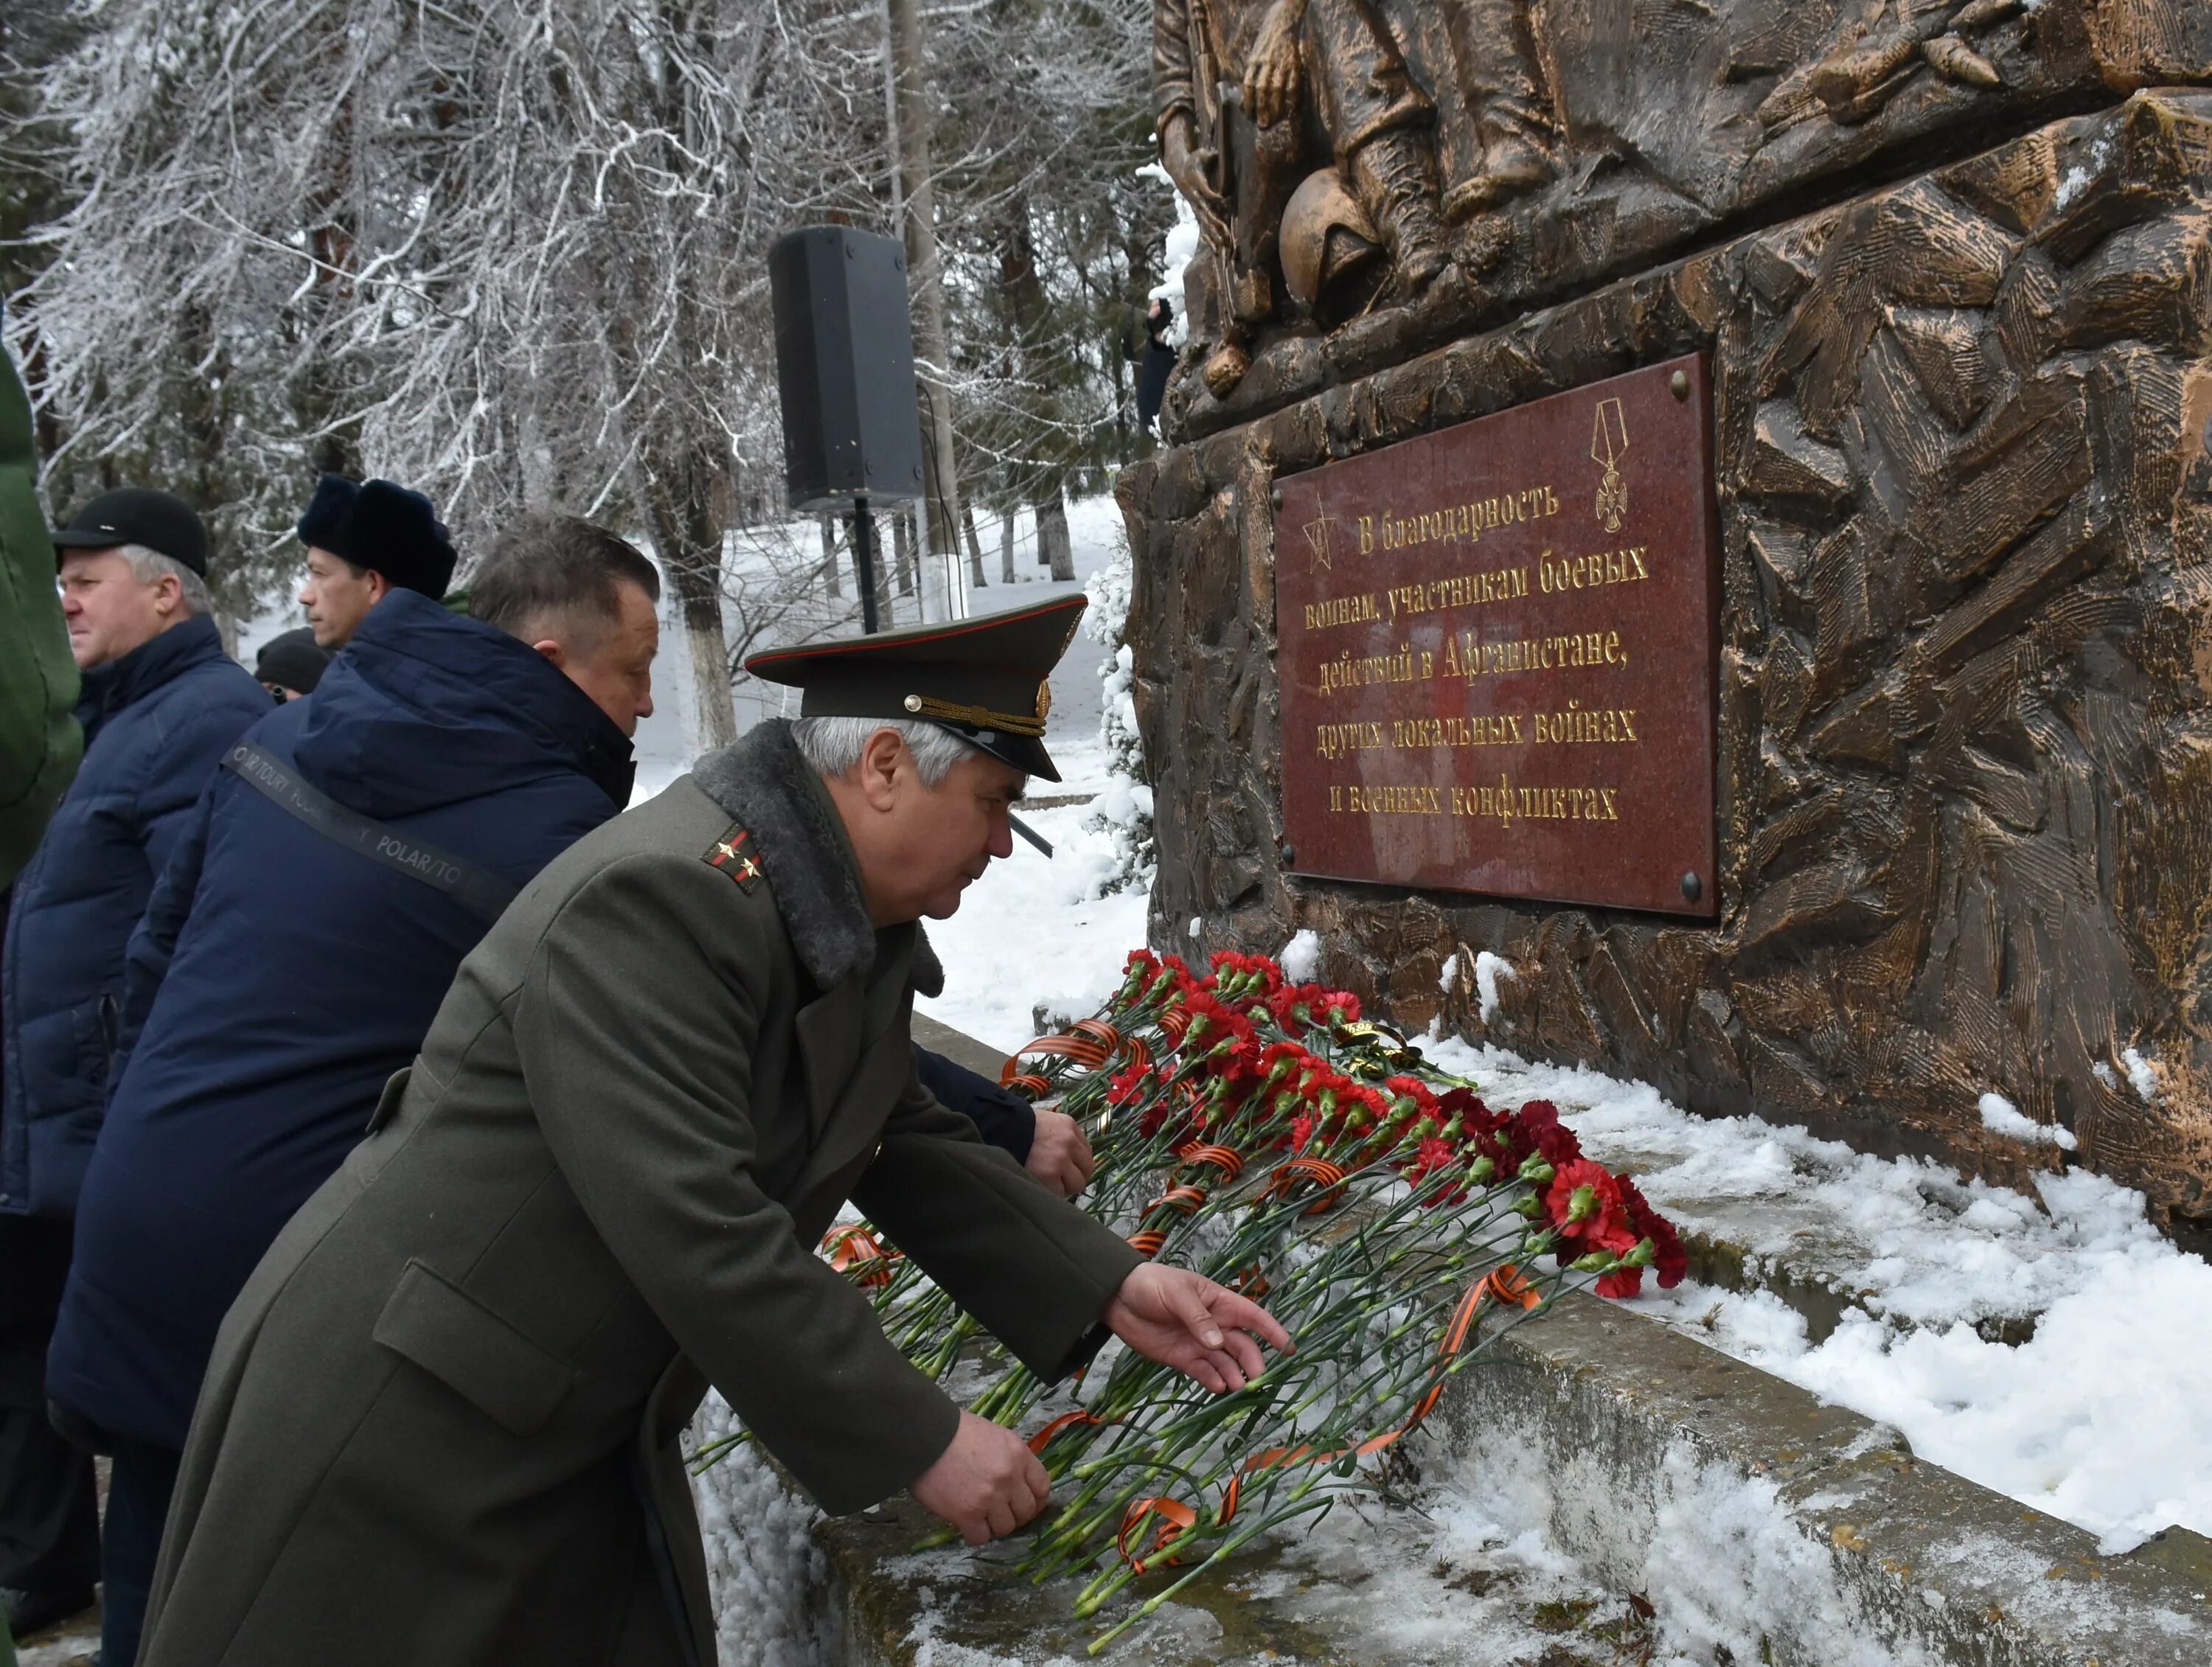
(1586, 1204)
(1671, 1262)
(1293, 1006)
(1128, 1084)
(1537, 1128)
(1433, 1155)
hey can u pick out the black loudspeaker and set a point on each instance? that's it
(844, 360)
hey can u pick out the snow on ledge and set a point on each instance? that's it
(2097, 1419)
(2000, 1116)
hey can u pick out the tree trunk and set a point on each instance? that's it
(879, 565)
(975, 547)
(903, 542)
(829, 554)
(1054, 548)
(682, 500)
(1006, 549)
(913, 170)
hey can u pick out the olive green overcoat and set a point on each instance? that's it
(40, 743)
(441, 1423)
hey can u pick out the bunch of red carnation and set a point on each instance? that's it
(1450, 1143)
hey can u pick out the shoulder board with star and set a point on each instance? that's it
(736, 856)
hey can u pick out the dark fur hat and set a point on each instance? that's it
(383, 528)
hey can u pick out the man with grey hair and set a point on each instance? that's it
(161, 703)
(441, 1424)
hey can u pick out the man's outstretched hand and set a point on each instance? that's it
(986, 1484)
(1186, 1321)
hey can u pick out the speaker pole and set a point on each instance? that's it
(864, 561)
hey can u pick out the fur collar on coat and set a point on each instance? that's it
(765, 783)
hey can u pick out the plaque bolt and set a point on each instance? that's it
(1290, 855)
(1679, 385)
(1692, 887)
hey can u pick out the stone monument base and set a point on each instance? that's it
(1963, 444)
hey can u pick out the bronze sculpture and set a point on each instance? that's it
(1308, 146)
(1241, 86)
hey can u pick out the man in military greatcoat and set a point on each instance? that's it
(441, 1422)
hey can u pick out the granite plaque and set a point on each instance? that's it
(1497, 650)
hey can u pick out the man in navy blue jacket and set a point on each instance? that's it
(160, 701)
(286, 968)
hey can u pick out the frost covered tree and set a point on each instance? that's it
(513, 252)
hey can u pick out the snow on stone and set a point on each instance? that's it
(2000, 1116)
(2141, 1076)
(2098, 1418)
(762, 1562)
(1488, 970)
(1300, 957)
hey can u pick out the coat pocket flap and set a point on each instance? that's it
(387, 1103)
(473, 1351)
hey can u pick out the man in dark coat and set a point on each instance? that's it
(364, 542)
(441, 1423)
(290, 664)
(161, 703)
(1047, 1143)
(282, 975)
(38, 739)
(40, 744)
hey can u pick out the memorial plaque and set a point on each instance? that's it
(1496, 651)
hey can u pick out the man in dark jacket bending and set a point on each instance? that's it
(161, 703)
(282, 974)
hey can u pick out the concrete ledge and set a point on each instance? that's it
(957, 1046)
(1761, 1525)
(1753, 1516)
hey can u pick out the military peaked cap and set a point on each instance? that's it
(983, 679)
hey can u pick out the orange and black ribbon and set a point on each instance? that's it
(854, 1246)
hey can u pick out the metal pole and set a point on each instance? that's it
(863, 563)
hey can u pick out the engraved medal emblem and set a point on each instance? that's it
(1608, 439)
(1316, 533)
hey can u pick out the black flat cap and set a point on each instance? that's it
(983, 679)
(383, 528)
(139, 516)
(292, 660)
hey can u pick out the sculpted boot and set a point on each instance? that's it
(1396, 175)
(1225, 368)
(1512, 163)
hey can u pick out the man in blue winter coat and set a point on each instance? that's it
(160, 701)
(351, 854)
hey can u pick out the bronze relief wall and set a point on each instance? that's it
(1376, 177)
(1962, 441)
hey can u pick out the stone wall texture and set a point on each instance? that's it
(1964, 446)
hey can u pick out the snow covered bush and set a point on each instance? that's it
(1124, 810)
